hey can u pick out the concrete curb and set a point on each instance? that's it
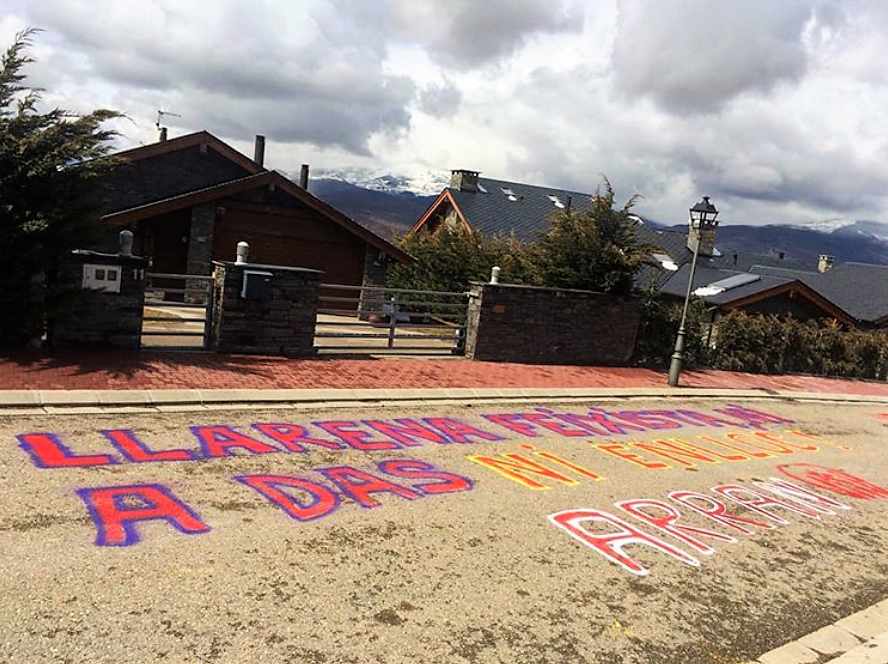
(861, 637)
(55, 401)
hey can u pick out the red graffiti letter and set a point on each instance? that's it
(359, 485)
(611, 544)
(217, 441)
(135, 450)
(322, 501)
(117, 509)
(759, 502)
(815, 501)
(717, 511)
(835, 480)
(294, 437)
(412, 469)
(47, 451)
(668, 523)
(459, 432)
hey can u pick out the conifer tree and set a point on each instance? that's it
(49, 162)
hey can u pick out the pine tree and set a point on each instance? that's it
(49, 161)
(592, 248)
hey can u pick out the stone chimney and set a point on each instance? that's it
(704, 234)
(825, 262)
(463, 180)
(259, 150)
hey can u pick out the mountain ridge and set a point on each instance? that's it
(385, 204)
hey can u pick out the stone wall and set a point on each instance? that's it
(283, 324)
(200, 251)
(375, 268)
(509, 323)
(99, 319)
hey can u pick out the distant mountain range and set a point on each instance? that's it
(387, 213)
(388, 205)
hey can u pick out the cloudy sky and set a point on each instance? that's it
(776, 108)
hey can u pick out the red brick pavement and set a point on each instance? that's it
(204, 370)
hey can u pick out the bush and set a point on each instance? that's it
(768, 344)
(659, 327)
(449, 259)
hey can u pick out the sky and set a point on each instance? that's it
(774, 108)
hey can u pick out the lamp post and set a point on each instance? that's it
(702, 219)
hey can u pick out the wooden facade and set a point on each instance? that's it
(191, 200)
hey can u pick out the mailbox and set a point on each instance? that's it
(101, 277)
(257, 285)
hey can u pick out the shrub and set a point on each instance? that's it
(768, 344)
(659, 327)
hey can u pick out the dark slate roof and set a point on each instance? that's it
(861, 289)
(527, 218)
(677, 284)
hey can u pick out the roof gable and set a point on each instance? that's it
(198, 138)
(248, 183)
(861, 289)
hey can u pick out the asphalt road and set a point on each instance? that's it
(421, 548)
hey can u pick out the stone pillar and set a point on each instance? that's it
(105, 307)
(511, 323)
(200, 251)
(278, 318)
(375, 268)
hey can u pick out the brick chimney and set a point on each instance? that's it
(825, 263)
(463, 180)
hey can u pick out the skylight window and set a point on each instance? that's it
(481, 188)
(722, 285)
(666, 261)
(556, 201)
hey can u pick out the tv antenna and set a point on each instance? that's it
(160, 116)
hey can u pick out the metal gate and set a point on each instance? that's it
(372, 320)
(178, 311)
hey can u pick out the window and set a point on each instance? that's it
(556, 201)
(509, 193)
(666, 261)
(722, 285)
(481, 188)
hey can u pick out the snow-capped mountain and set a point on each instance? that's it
(418, 183)
(850, 227)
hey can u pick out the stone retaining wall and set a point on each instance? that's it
(510, 323)
(95, 318)
(283, 324)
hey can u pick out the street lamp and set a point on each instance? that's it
(702, 223)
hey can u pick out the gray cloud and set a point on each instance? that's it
(696, 55)
(241, 72)
(468, 33)
(440, 99)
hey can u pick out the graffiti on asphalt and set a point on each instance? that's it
(732, 447)
(770, 501)
(47, 450)
(117, 510)
(835, 480)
